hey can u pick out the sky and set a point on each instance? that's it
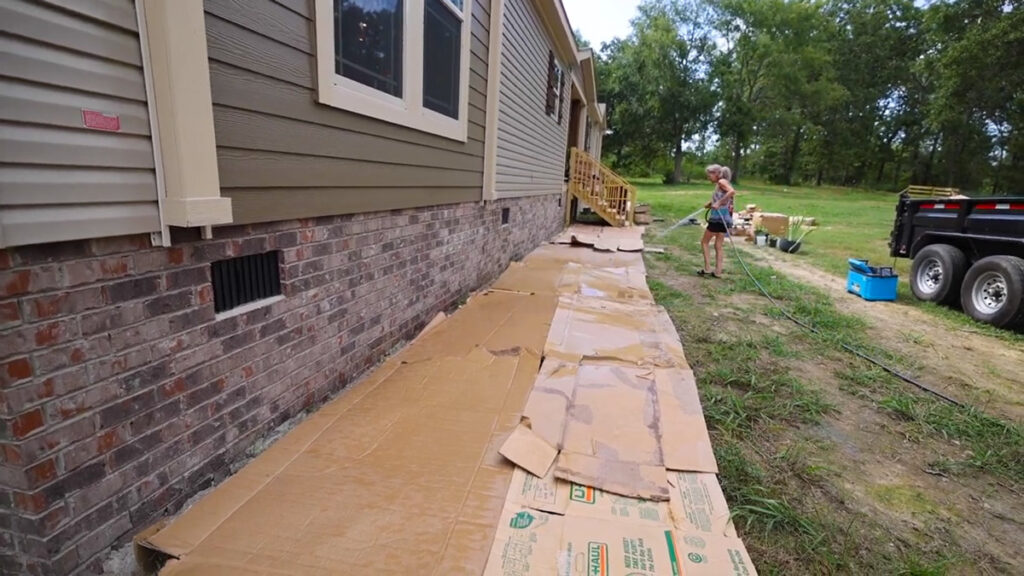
(601, 20)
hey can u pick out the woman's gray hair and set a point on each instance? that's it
(722, 171)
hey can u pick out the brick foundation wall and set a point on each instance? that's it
(121, 393)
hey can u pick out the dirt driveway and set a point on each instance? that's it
(975, 368)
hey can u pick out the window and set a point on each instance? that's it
(555, 102)
(561, 95)
(239, 281)
(368, 44)
(442, 41)
(401, 61)
(550, 103)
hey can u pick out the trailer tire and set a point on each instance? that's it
(993, 291)
(937, 273)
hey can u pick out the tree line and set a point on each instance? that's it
(871, 93)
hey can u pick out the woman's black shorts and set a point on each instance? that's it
(717, 227)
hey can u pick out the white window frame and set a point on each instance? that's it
(346, 94)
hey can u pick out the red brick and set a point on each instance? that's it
(53, 359)
(81, 272)
(12, 455)
(56, 438)
(175, 256)
(14, 370)
(204, 296)
(176, 387)
(111, 318)
(55, 333)
(118, 364)
(27, 423)
(33, 503)
(120, 244)
(10, 314)
(15, 283)
(93, 398)
(107, 440)
(63, 304)
(42, 473)
(5, 259)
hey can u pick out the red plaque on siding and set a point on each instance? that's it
(101, 121)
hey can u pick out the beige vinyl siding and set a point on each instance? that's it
(58, 179)
(531, 144)
(282, 155)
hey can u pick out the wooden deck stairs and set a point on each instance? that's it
(598, 187)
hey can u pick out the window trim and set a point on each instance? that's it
(343, 93)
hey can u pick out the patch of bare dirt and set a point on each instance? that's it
(972, 367)
(874, 467)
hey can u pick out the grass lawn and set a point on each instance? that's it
(851, 224)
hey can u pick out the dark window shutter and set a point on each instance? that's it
(550, 106)
(561, 97)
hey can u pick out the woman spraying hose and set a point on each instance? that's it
(720, 219)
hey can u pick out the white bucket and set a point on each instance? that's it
(762, 240)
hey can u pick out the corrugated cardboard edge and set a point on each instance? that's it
(528, 450)
(146, 558)
(437, 320)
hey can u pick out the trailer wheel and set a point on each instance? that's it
(993, 291)
(937, 273)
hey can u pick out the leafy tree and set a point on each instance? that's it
(851, 92)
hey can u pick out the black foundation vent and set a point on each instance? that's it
(245, 279)
(505, 212)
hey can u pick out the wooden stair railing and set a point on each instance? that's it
(605, 192)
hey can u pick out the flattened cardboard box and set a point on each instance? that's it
(392, 477)
(632, 333)
(622, 530)
(612, 434)
(685, 442)
(613, 427)
(534, 543)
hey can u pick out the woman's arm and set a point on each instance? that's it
(729, 193)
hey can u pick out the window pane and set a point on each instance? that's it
(368, 43)
(442, 53)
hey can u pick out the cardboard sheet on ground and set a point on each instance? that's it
(685, 443)
(628, 283)
(612, 435)
(393, 477)
(637, 333)
(604, 238)
(585, 257)
(697, 534)
(612, 427)
(402, 473)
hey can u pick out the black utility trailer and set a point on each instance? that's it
(966, 250)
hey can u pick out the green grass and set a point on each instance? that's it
(756, 405)
(851, 224)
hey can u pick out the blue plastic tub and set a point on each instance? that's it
(871, 283)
